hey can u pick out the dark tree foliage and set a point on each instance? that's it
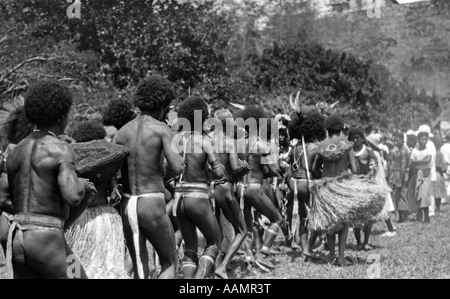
(117, 43)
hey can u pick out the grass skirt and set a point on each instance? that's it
(348, 200)
(96, 237)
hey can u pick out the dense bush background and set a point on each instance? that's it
(226, 51)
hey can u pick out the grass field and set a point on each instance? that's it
(419, 251)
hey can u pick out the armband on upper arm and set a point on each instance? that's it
(67, 163)
(66, 166)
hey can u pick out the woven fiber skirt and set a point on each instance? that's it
(344, 201)
(97, 239)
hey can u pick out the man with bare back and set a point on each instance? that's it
(308, 128)
(257, 152)
(149, 139)
(46, 193)
(195, 207)
(225, 200)
(336, 154)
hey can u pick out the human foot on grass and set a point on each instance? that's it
(366, 247)
(269, 251)
(321, 248)
(342, 262)
(295, 245)
(221, 273)
(331, 258)
(310, 255)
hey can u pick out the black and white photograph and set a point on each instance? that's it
(232, 141)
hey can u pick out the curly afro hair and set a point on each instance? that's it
(334, 124)
(256, 113)
(47, 102)
(88, 131)
(187, 109)
(355, 131)
(310, 125)
(153, 94)
(118, 113)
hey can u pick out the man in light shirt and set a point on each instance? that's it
(430, 145)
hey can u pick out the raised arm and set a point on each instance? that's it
(173, 158)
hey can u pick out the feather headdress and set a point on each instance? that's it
(8, 110)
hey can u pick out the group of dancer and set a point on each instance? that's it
(104, 198)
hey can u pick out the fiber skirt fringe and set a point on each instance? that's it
(97, 239)
(349, 200)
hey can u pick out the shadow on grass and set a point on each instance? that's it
(354, 247)
(377, 232)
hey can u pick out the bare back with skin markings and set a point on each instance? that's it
(148, 140)
(340, 167)
(31, 173)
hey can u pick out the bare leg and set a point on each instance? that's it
(264, 205)
(343, 233)
(289, 214)
(157, 228)
(44, 254)
(189, 233)
(367, 233)
(4, 229)
(331, 246)
(198, 211)
(129, 240)
(389, 225)
(312, 240)
(304, 232)
(357, 232)
(303, 200)
(128, 263)
(234, 215)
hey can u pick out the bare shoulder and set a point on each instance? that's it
(161, 129)
(54, 149)
(313, 146)
(60, 149)
(122, 133)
